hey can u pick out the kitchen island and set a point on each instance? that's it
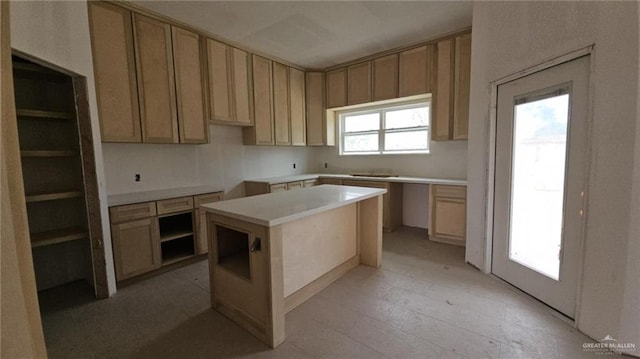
(270, 253)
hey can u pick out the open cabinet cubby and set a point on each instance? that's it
(233, 250)
(177, 240)
(177, 249)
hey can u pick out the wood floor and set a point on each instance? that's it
(423, 303)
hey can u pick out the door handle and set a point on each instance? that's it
(256, 245)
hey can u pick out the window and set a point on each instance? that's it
(385, 130)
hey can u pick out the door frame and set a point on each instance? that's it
(491, 158)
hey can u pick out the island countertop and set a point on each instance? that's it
(273, 209)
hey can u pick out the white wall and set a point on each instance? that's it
(58, 32)
(224, 162)
(447, 160)
(512, 36)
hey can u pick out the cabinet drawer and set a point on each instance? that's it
(132, 211)
(175, 205)
(372, 184)
(207, 198)
(449, 191)
(278, 187)
(294, 185)
(335, 181)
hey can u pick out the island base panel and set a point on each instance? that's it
(293, 262)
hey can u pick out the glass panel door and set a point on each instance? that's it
(538, 180)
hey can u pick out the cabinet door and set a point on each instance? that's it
(462, 87)
(385, 77)
(220, 88)
(192, 120)
(294, 185)
(316, 112)
(415, 71)
(296, 107)
(201, 220)
(443, 92)
(359, 83)
(262, 131)
(136, 247)
(337, 88)
(310, 183)
(449, 218)
(242, 99)
(279, 187)
(156, 82)
(115, 73)
(281, 104)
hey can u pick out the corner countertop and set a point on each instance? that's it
(273, 209)
(400, 179)
(156, 195)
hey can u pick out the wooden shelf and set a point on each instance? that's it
(171, 235)
(58, 236)
(237, 264)
(48, 153)
(45, 114)
(176, 258)
(40, 197)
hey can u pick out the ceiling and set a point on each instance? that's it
(319, 34)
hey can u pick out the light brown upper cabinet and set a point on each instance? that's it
(385, 77)
(451, 92)
(156, 81)
(114, 67)
(229, 78)
(281, 104)
(415, 71)
(462, 81)
(320, 132)
(337, 88)
(359, 83)
(220, 81)
(296, 107)
(262, 131)
(190, 90)
(149, 78)
(242, 97)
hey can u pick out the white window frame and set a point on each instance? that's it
(382, 110)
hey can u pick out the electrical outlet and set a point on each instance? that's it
(325, 165)
(294, 166)
(137, 177)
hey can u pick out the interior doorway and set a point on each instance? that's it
(59, 175)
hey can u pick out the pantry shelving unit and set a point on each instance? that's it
(58, 172)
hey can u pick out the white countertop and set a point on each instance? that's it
(282, 179)
(401, 179)
(147, 196)
(273, 209)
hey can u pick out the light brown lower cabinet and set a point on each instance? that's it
(310, 183)
(336, 181)
(150, 235)
(391, 201)
(448, 218)
(255, 188)
(136, 247)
